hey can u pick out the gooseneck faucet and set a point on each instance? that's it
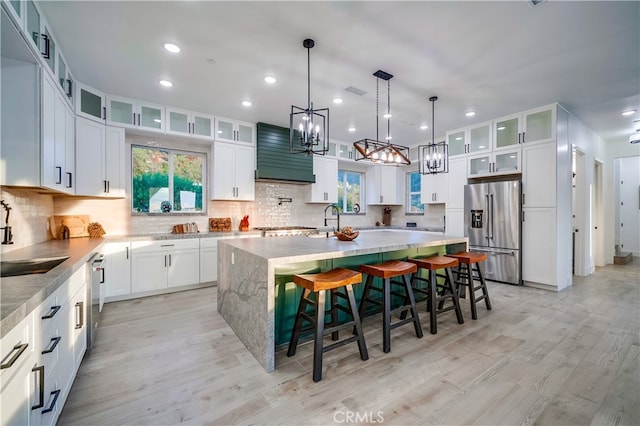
(8, 235)
(335, 209)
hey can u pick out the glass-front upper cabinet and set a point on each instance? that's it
(228, 130)
(32, 25)
(496, 163)
(49, 49)
(64, 78)
(539, 125)
(333, 147)
(131, 113)
(457, 142)
(480, 138)
(90, 103)
(187, 123)
(16, 9)
(507, 131)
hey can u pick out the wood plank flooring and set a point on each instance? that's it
(568, 358)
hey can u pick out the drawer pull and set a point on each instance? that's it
(54, 310)
(40, 371)
(80, 321)
(19, 348)
(167, 245)
(52, 348)
(56, 394)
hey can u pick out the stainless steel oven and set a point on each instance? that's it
(95, 296)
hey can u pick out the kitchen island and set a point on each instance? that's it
(254, 272)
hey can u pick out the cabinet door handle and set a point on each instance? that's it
(523, 198)
(165, 260)
(519, 138)
(70, 180)
(40, 371)
(127, 252)
(80, 324)
(52, 313)
(523, 137)
(55, 341)
(104, 113)
(59, 180)
(19, 348)
(523, 216)
(167, 245)
(108, 187)
(105, 186)
(69, 88)
(102, 278)
(56, 394)
(169, 260)
(47, 51)
(133, 118)
(139, 122)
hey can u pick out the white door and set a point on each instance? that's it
(114, 161)
(208, 264)
(148, 271)
(539, 246)
(245, 172)
(90, 152)
(117, 269)
(629, 222)
(184, 267)
(223, 176)
(456, 182)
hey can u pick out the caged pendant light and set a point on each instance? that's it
(375, 150)
(434, 157)
(311, 135)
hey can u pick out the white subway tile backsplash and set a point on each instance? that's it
(29, 217)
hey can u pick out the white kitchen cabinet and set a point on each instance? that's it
(17, 380)
(434, 188)
(534, 126)
(539, 245)
(157, 265)
(58, 147)
(188, 123)
(495, 163)
(228, 130)
(16, 10)
(78, 324)
(117, 279)
(384, 185)
(456, 182)
(90, 103)
(345, 151)
(208, 259)
(233, 172)
(454, 222)
(480, 138)
(32, 24)
(100, 166)
(325, 189)
(457, 142)
(135, 114)
(539, 175)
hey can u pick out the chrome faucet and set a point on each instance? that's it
(335, 209)
(8, 235)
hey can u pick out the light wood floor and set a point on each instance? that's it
(568, 358)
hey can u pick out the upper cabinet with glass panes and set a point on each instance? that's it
(134, 114)
(228, 130)
(533, 126)
(189, 123)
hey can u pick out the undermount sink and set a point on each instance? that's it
(14, 268)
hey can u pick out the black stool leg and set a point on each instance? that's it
(318, 339)
(414, 309)
(334, 314)
(365, 296)
(454, 295)
(297, 326)
(362, 346)
(472, 293)
(483, 283)
(431, 304)
(386, 315)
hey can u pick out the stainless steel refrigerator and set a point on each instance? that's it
(492, 213)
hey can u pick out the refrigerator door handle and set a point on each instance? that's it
(491, 218)
(488, 218)
(494, 251)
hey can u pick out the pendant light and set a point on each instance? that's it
(434, 157)
(375, 150)
(308, 127)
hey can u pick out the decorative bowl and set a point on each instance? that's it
(345, 237)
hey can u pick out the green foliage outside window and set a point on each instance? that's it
(349, 190)
(413, 203)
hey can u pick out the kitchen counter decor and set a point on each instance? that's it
(219, 224)
(347, 234)
(95, 230)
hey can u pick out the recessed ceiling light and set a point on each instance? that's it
(166, 83)
(629, 112)
(246, 103)
(424, 127)
(351, 129)
(387, 115)
(173, 48)
(270, 79)
(470, 114)
(337, 100)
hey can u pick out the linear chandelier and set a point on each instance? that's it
(433, 157)
(375, 150)
(311, 136)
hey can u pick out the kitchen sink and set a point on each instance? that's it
(14, 268)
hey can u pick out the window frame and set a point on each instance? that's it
(362, 202)
(171, 153)
(409, 193)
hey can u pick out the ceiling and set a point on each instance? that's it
(495, 58)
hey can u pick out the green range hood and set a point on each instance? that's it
(275, 162)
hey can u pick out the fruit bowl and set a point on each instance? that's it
(346, 237)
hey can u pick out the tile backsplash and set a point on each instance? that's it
(116, 218)
(28, 217)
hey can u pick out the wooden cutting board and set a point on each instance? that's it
(77, 225)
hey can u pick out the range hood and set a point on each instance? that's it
(274, 162)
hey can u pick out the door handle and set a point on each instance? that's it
(492, 223)
(59, 180)
(40, 371)
(52, 313)
(47, 50)
(19, 348)
(55, 341)
(486, 204)
(70, 180)
(80, 324)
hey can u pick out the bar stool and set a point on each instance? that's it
(333, 281)
(437, 294)
(467, 278)
(386, 271)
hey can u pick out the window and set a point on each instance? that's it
(413, 205)
(350, 190)
(167, 181)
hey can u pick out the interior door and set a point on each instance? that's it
(630, 204)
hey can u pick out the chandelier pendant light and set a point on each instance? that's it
(433, 157)
(308, 127)
(376, 150)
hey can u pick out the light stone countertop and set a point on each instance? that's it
(285, 250)
(20, 295)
